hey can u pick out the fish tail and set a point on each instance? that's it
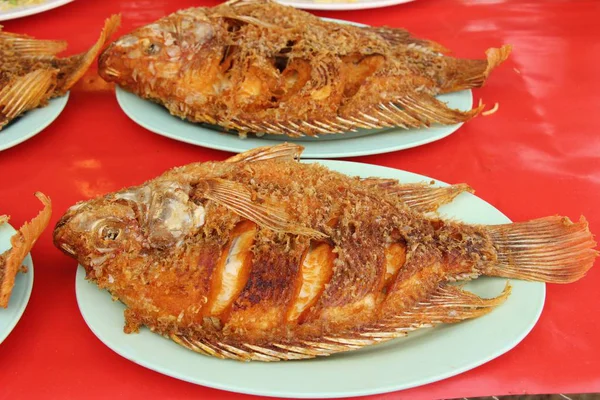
(81, 62)
(22, 242)
(551, 249)
(474, 73)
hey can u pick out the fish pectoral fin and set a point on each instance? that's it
(285, 151)
(421, 197)
(29, 47)
(21, 243)
(26, 92)
(81, 62)
(239, 199)
(551, 249)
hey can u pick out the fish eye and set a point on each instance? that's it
(153, 48)
(109, 233)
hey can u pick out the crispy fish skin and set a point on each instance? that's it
(31, 73)
(258, 66)
(263, 258)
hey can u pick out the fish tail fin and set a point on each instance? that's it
(81, 62)
(474, 73)
(22, 242)
(551, 249)
(25, 93)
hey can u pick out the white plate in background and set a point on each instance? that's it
(23, 11)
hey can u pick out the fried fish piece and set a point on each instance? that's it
(21, 243)
(264, 258)
(31, 73)
(258, 66)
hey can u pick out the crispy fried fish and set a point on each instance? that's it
(264, 258)
(258, 66)
(31, 73)
(21, 244)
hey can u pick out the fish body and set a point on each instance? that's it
(261, 67)
(264, 258)
(31, 73)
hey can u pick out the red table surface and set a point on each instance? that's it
(537, 156)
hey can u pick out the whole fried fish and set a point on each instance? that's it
(264, 258)
(258, 66)
(21, 243)
(31, 73)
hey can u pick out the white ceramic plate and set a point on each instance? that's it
(341, 4)
(21, 291)
(31, 123)
(424, 356)
(157, 119)
(23, 11)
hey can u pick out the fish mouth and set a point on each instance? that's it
(60, 236)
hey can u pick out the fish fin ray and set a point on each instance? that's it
(421, 197)
(285, 151)
(238, 198)
(399, 36)
(26, 92)
(27, 46)
(83, 61)
(21, 243)
(551, 249)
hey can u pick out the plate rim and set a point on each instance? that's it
(32, 10)
(80, 281)
(342, 6)
(59, 102)
(18, 314)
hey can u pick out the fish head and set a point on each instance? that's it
(157, 50)
(138, 221)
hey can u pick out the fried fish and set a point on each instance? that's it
(31, 73)
(258, 66)
(264, 258)
(21, 243)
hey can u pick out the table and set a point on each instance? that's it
(538, 155)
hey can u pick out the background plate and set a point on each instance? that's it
(340, 5)
(157, 119)
(24, 11)
(31, 123)
(424, 356)
(21, 291)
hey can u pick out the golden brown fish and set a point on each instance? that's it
(258, 66)
(264, 258)
(31, 73)
(21, 244)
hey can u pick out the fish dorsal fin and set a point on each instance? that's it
(448, 304)
(285, 151)
(27, 46)
(21, 243)
(410, 109)
(239, 199)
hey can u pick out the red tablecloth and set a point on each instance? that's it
(537, 156)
